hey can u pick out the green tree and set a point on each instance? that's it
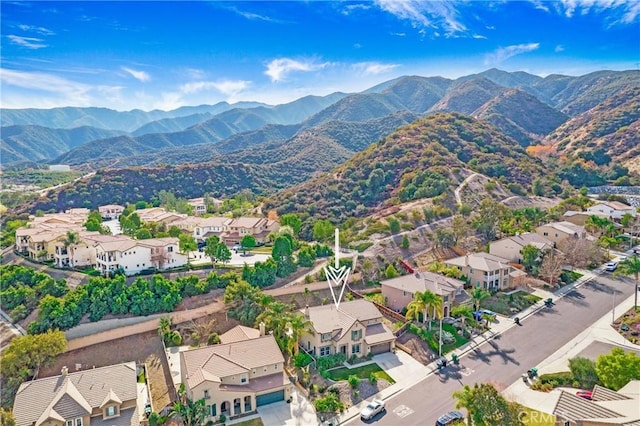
(631, 266)
(292, 220)
(391, 272)
(24, 357)
(394, 225)
(187, 244)
(296, 325)
(422, 303)
(243, 299)
(211, 249)
(328, 404)
(248, 242)
(405, 242)
(281, 248)
(617, 368)
(323, 230)
(444, 237)
(6, 418)
(537, 187)
(530, 256)
(223, 254)
(584, 371)
(478, 294)
(192, 413)
(487, 218)
(486, 407)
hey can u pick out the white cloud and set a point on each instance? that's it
(437, 15)
(39, 30)
(226, 87)
(616, 12)
(28, 42)
(142, 76)
(504, 53)
(559, 48)
(374, 68)
(278, 69)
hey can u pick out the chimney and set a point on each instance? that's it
(306, 311)
(261, 326)
(64, 371)
(466, 260)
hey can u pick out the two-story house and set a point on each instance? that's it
(259, 227)
(510, 248)
(614, 210)
(135, 256)
(235, 378)
(398, 292)
(486, 271)
(207, 227)
(111, 211)
(103, 396)
(354, 328)
(558, 231)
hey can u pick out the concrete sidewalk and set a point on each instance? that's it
(600, 331)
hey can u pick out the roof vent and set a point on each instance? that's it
(64, 371)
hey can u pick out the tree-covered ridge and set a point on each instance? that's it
(416, 161)
(612, 126)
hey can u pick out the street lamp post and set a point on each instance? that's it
(613, 307)
(440, 340)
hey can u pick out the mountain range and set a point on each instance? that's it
(284, 145)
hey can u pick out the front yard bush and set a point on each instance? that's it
(450, 337)
(302, 360)
(331, 361)
(546, 382)
(507, 304)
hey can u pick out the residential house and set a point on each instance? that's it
(200, 206)
(259, 227)
(236, 378)
(580, 218)
(486, 270)
(510, 248)
(398, 292)
(159, 215)
(135, 256)
(106, 396)
(606, 408)
(613, 209)
(111, 211)
(207, 227)
(558, 231)
(353, 328)
(240, 333)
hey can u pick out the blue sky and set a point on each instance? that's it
(148, 55)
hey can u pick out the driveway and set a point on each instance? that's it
(299, 412)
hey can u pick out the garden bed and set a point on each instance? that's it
(451, 339)
(628, 325)
(363, 372)
(509, 304)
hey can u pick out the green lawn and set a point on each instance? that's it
(433, 337)
(502, 303)
(252, 422)
(362, 372)
(263, 250)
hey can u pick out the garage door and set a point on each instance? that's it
(380, 349)
(269, 398)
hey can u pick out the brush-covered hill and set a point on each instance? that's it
(612, 127)
(36, 143)
(521, 116)
(416, 161)
(465, 96)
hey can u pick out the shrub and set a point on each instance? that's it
(302, 360)
(213, 339)
(373, 379)
(354, 381)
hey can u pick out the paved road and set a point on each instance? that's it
(503, 359)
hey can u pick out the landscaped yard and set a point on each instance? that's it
(252, 422)
(629, 325)
(450, 340)
(363, 372)
(508, 304)
(569, 277)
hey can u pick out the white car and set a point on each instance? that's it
(372, 409)
(611, 266)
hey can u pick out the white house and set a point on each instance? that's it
(613, 209)
(111, 211)
(135, 256)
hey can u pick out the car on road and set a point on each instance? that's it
(372, 409)
(585, 394)
(611, 266)
(450, 418)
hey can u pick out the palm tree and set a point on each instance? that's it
(191, 412)
(273, 315)
(478, 294)
(297, 325)
(422, 303)
(631, 266)
(71, 239)
(465, 399)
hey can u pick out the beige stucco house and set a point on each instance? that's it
(259, 227)
(613, 209)
(510, 248)
(558, 231)
(354, 328)
(235, 378)
(486, 270)
(398, 292)
(111, 211)
(106, 396)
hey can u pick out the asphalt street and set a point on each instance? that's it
(503, 359)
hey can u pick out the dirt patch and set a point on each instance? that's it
(420, 351)
(200, 300)
(6, 334)
(141, 348)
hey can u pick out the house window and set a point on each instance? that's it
(404, 294)
(356, 334)
(355, 349)
(206, 394)
(170, 249)
(69, 423)
(79, 421)
(275, 367)
(111, 410)
(326, 336)
(325, 350)
(214, 410)
(546, 234)
(243, 379)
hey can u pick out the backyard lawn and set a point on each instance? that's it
(363, 372)
(507, 304)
